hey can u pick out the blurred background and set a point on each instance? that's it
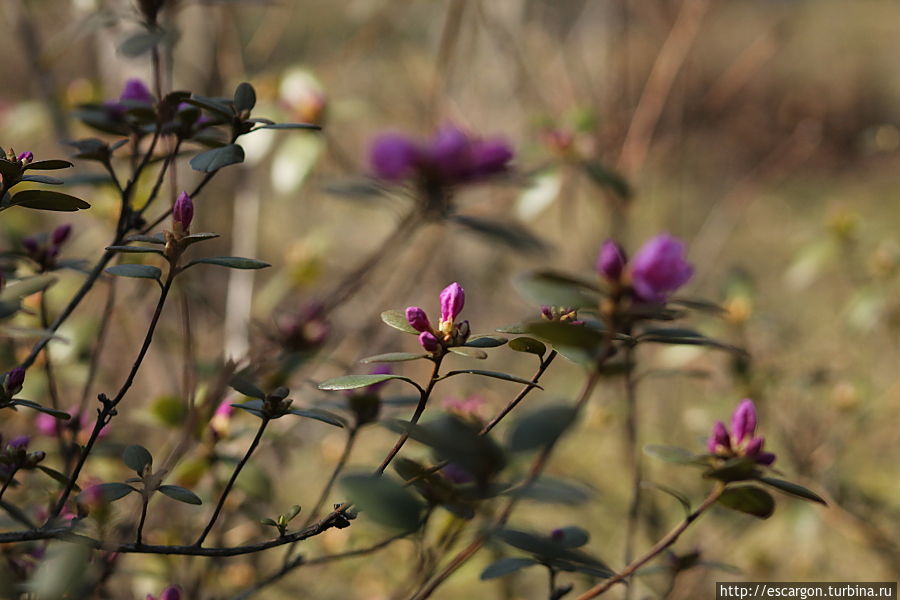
(765, 133)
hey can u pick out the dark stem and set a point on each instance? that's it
(230, 484)
(420, 408)
(657, 548)
(552, 577)
(140, 527)
(634, 457)
(8, 481)
(109, 406)
(545, 364)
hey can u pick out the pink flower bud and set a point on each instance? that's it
(611, 260)
(659, 268)
(61, 234)
(429, 342)
(743, 421)
(136, 91)
(171, 593)
(719, 440)
(183, 211)
(453, 298)
(26, 157)
(14, 380)
(417, 319)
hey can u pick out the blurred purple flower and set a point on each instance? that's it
(25, 157)
(379, 370)
(14, 380)
(451, 157)
(741, 440)
(659, 268)
(611, 260)
(470, 406)
(136, 91)
(455, 474)
(61, 234)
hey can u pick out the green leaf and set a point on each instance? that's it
(353, 382)
(547, 549)
(557, 289)
(156, 238)
(244, 97)
(60, 478)
(748, 499)
(384, 500)
(485, 341)
(198, 237)
(793, 489)
(511, 235)
(566, 335)
(214, 106)
(393, 357)
(506, 566)
(134, 249)
(111, 492)
(608, 179)
(142, 42)
(319, 415)
(48, 200)
(181, 494)
(529, 345)
(551, 490)
(43, 179)
(137, 458)
(469, 352)
(217, 158)
(494, 374)
(44, 409)
(571, 537)
(687, 337)
(397, 320)
(48, 165)
(672, 454)
(135, 270)
(26, 287)
(254, 407)
(738, 468)
(290, 126)
(245, 387)
(682, 499)
(232, 262)
(541, 428)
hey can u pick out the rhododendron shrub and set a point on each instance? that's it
(94, 492)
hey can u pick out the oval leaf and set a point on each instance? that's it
(486, 341)
(384, 500)
(49, 200)
(541, 428)
(529, 345)
(397, 320)
(133, 270)
(506, 566)
(137, 457)
(393, 357)
(244, 97)
(494, 374)
(232, 262)
(181, 494)
(319, 415)
(748, 499)
(353, 382)
(793, 489)
(217, 158)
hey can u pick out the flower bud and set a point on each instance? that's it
(25, 158)
(136, 91)
(61, 234)
(453, 298)
(429, 342)
(719, 440)
(417, 319)
(611, 260)
(393, 157)
(743, 421)
(171, 593)
(31, 245)
(659, 268)
(183, 212)
(14, 380)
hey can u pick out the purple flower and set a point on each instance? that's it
(61, 234)
(456, 474)
(19, 442)
(451, 157)
(393, 157)
(453, 298)
(659, 268)
(25, 157)
(429, 341)
(30, 244)
(136, 91)
(183, 212)
(741, 440)
(417, 319)
(14, 380)
(611, 260)
(170, 593)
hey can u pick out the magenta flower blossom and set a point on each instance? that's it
(611, 260)
(449, 332)
(469, 407)
(659, 268)
(50, 426)
(742, 439)
(170, 593)
(25, 157)
(136, 91)
(183, 212)
(451, 157)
